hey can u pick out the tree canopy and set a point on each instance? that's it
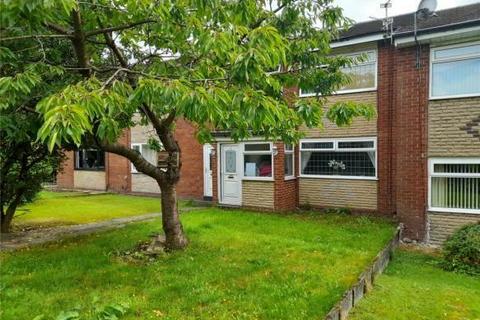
(220, 64)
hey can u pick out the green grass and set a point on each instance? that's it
(62, 208)
(240, 265)
(414, 287)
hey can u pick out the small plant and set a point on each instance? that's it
(343, 211)
(97, 312)
(461, 252)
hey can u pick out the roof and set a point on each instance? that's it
(403, 24)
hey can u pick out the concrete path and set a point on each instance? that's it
(27, 238)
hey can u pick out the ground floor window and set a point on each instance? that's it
(148, 153)
(355, 157)
(257, 160)
(89, 159)
(455, 184)
(289, 161)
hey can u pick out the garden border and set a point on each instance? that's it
(366, 280)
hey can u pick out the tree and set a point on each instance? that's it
(25, 164)
(220, 64)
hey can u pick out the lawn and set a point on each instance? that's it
(62, 208)
(414, 287)
(240, 265)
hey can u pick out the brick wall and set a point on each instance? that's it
(258, 194)
(454, 128)
(285, 190)
(90, 180)
(215, 155)
(385, 150)
(410, 89)
(442, 224)
(118, 168)
(338, 193)
(65, 176)
(359, 128)
(191, 181)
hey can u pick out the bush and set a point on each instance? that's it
(461, 252)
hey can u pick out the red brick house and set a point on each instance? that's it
(418, 161)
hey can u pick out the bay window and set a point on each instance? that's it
(339, 158)
(90, 159)
(148, 153)
(455, 71)
(289, 161)
(454, 185)
(257, 160)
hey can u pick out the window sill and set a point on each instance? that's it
(287, 178)
(339, 93)
(459, 96)
(94, 170)
(257, 179)
(453, 210)
(338, 177)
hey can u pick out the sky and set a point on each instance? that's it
(361, 10)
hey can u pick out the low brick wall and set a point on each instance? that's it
(365, 282)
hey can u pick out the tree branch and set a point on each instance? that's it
(33, 36)
(57, 28)
(118, 28)
(138, 161)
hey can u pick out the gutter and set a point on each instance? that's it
(407, 37)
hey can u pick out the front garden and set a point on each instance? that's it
(240, 265)
(66, 208)
(414, 286)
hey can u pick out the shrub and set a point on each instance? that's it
(461, 252)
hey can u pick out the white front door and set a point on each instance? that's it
(231, 174)
(207, 171)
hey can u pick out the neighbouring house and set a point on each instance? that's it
(418, 161)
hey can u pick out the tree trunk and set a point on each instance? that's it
(175, 238)
(5, 224)
(6, 219)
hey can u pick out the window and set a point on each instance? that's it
(257, 160)
(363, 75)
(455, 71)
(149, 154)
(289, 161)
(89, 159)
(455, 185)
(339, 158)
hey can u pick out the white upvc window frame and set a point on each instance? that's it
(335, 148)
(262, 152)
(431, 174)
(457, 58)
(347, 91)
(140, 145)
(292, 154)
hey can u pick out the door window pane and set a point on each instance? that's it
(230, 161)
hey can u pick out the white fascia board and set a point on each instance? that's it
(359, 40)
(443, 35)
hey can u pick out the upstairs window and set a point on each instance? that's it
(90, 159)
(363, 75)
(340, 158)
(455, 71)
(455, 185)
(147, 153)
